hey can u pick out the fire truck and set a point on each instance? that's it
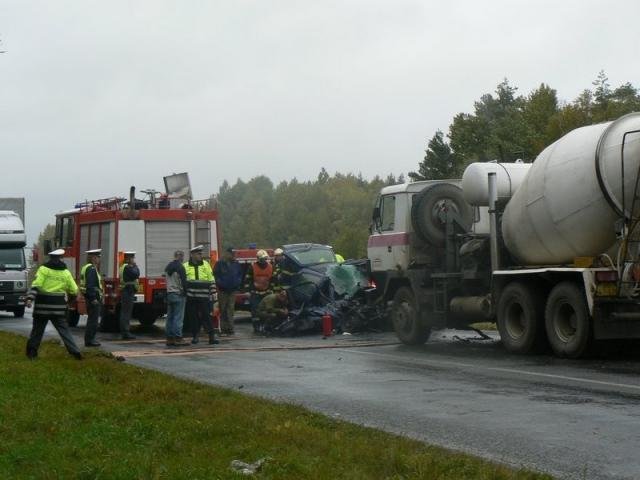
(154, 227)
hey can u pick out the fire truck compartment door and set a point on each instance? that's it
(131, 238)
(164, 238)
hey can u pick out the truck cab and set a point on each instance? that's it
(13, 263)
(416, 232)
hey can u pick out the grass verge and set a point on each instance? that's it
(60, 418)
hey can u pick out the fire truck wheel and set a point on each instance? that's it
(109, 320)
(147, 318)
(521, 318)
(18, 312)
(73, 317)
(406, 318)
(568, 322)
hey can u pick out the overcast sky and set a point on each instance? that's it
(96, 96)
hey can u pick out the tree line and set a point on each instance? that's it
(506, 126)
(332, 209)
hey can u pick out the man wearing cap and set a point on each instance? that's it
(91, 288)
(228, 275)
(259, 283)
(50, 288)
(129, 275)
(199, 294)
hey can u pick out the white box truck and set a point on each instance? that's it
(13, 262)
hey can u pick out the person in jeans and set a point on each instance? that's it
(228, 274)
(176, 296)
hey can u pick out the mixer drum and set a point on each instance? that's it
(573, 194)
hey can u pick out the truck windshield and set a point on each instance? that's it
(12, 259)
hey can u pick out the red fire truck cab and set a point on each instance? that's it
(154, 228)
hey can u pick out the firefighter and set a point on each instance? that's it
(91, 288)
(339, 259)
(259, 283)
(129, 275)
(281, 276)
(199, 294)
(51, 288)
(273, 310)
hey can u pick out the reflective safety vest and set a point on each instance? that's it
(199, 280)
(262, 276)
(49, 289)
(123, 284)
(83, 279)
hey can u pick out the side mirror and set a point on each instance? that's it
(376, 214)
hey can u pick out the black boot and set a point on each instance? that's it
(212, 339)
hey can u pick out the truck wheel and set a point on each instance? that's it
(110, 321)
(73, 317)
(567, 321)
(18, 312)
(520, 318)
(406, 318)
(148, 318)
(428, 204)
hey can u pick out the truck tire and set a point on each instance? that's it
(147, 317)
(110, 321)
(406, 318)
(521, 318)
(568, 322)
(73, 317)
(18, 312)
(429, 202)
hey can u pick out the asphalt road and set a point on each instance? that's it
(573, 419)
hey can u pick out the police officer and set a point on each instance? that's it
(50, 289)
(129, 275)
(91, 288)
(199, 294)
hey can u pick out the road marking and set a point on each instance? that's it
(511, 370)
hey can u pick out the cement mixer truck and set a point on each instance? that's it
(550, 251)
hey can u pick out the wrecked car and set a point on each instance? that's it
(318, 285)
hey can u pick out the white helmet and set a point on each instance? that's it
(278, 251)
(262, 254)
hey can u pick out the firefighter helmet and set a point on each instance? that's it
(262, 254)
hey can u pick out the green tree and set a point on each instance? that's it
(439, 161)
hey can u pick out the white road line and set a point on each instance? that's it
(506, 370)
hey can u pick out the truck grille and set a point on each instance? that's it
(6, 286)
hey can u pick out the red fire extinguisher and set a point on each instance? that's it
(327, 325)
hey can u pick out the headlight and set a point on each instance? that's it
(20, 284)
